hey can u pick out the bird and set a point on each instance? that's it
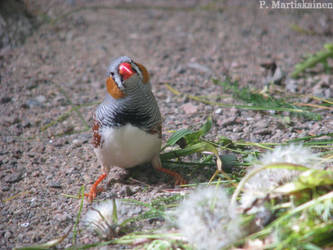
(127, 125)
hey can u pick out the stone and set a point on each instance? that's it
(189, 108)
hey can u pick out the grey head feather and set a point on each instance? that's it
(113, 71)
(138, 107)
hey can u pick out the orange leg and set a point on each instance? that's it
(94, 190)
(179, 180)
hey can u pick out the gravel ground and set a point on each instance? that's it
(185, 43)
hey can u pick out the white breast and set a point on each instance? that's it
(126, 147)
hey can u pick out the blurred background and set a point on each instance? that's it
(53, 60)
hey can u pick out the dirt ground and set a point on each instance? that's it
(59, 72)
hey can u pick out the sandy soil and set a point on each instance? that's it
(185, 43)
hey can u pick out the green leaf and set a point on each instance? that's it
(206, 127)
(114, 212)
(194, 137)
(177, 136)
(309, 179)
(189, 135)
(191, 149)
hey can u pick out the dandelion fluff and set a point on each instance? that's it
(265, 181)
(205, 220)
(100, 219)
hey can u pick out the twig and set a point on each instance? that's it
(320, 99)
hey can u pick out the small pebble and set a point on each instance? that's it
(189, 108)
(218, 111)
(55, 185)
(199, 67)
(25, 224)
(62, 217)
(40, 98)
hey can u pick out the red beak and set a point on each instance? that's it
(126, 70)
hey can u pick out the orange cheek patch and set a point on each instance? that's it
(145, 73)
(113, 89)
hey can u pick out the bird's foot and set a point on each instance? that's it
(94, 190)
(93, 193)
(179, 180)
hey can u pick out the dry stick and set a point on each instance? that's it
(314, 106)
(319, 99)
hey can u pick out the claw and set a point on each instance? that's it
(179, 180)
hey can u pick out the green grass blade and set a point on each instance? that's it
(78, 216)
(313, 60)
